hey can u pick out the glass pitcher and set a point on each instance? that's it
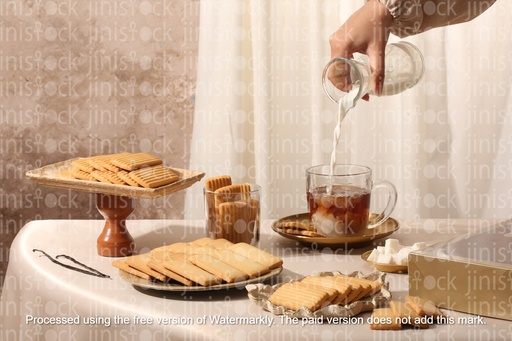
(404, 68)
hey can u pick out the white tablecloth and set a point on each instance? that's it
(112, 309)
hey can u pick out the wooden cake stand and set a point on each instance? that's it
(114, 202)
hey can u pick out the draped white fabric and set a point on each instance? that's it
(261, 114)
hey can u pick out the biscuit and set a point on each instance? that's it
(202, 241)
(100, 176)
(124, 175)
(164, 254)
(82, 165)
(81, 175)
(192, 272)
(135, 161)
(232, 193)
(384, 319)
(406, 313)
(221, 243)
(352, 296)
(295, 295)
(342, 287)
(257, 255)
(158, 266)
(175, 247)
(233, 218)
(214, 183)
(304, 233)
(65, 173)
(214, 266)
(294, 225)
(331, 292)
(139, 262)
(210, 186)
(248, 266)
(152, 177)
(94, 162)
(375, 286)
(113, 178)
(423, 307)
(122, 265)
(355, 289)
(102, 162)
(366, 288)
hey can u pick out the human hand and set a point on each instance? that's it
(366, 31)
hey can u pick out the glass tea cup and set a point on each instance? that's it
(339, 204)
(233, 213)
(404, 67)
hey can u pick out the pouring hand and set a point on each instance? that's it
(366, 31)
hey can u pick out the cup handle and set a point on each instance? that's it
(390, 206)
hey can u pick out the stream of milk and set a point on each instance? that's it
(346, 103)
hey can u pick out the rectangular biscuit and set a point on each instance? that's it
(192, 272)
(162, 254)
(368, 287)
(93, 162)
(375, 286)
(246, 265)
(295, 225)
(221, 243)
(122, 265)
(231, 193)
(423, 307)
(257, 255)
(384, 319)
(342, 287)
(406, 313)
(139, 262)
(82, 175)
(153, 177)
(214, 266)
(113, 178)
(185, 248)
(100, 176)
(202, 241)
(331, 292)
(294, 296)
(82, 165)
(214, 183)
(102, 162)
(355, 288)
(125, 176)
(135, 161)
(210, 186)
(158, 266)
(227, 215)
(66, 173)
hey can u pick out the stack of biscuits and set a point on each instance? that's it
(204, 262)
(413, 312)
(131, 169)
(316, 292)
(232, 213)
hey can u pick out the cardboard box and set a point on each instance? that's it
(470, 273)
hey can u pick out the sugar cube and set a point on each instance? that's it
(392, 246)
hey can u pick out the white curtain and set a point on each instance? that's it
(261, 115)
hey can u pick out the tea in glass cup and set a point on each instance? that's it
(339, 199)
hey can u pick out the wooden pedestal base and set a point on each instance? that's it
(115, 240)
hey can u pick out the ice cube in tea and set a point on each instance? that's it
(342, 211)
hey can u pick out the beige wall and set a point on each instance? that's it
(80, 78)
